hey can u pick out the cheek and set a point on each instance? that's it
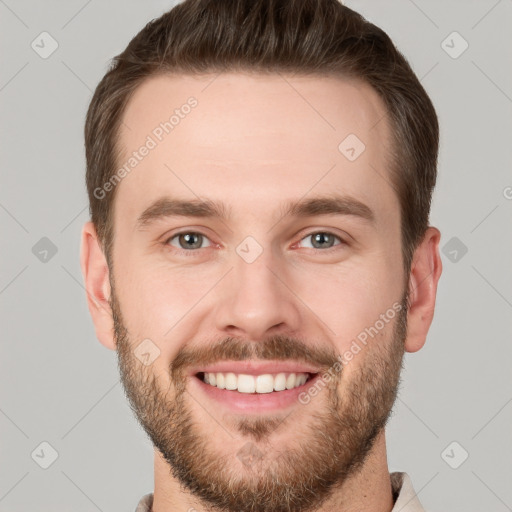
(351, 302)
(154, 304)
(156, 300)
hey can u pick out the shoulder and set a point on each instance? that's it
(145, 503)
(404, 494)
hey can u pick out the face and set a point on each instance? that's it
(255, 252)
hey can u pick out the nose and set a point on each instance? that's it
(256, 300)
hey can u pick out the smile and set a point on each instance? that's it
(256, 393)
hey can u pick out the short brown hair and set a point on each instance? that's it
(316, 37)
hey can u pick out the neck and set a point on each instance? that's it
(369, 489)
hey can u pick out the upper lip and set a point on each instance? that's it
(256, 368)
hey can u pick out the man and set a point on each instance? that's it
(260, 176)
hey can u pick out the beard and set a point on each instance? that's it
(326, 446)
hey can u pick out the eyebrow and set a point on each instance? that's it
(326, 205)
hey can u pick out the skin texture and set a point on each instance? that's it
(254, 143)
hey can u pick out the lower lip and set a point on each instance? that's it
(254, 402)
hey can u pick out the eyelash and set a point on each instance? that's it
(194, 252)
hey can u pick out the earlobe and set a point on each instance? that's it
(425, 273)
(97, 285)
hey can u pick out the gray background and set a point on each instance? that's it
(59, 385)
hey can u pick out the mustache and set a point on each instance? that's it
(277, 347)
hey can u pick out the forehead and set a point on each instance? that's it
(269, 138)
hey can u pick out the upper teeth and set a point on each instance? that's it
(256, 383)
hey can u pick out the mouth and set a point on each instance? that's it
(245, 388)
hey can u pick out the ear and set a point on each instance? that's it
(97, 285)
(425, 273)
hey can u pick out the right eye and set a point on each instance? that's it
(188, 240)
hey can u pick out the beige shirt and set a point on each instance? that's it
(406, 499)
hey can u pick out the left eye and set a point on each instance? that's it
(188, 240)
(322, 240)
